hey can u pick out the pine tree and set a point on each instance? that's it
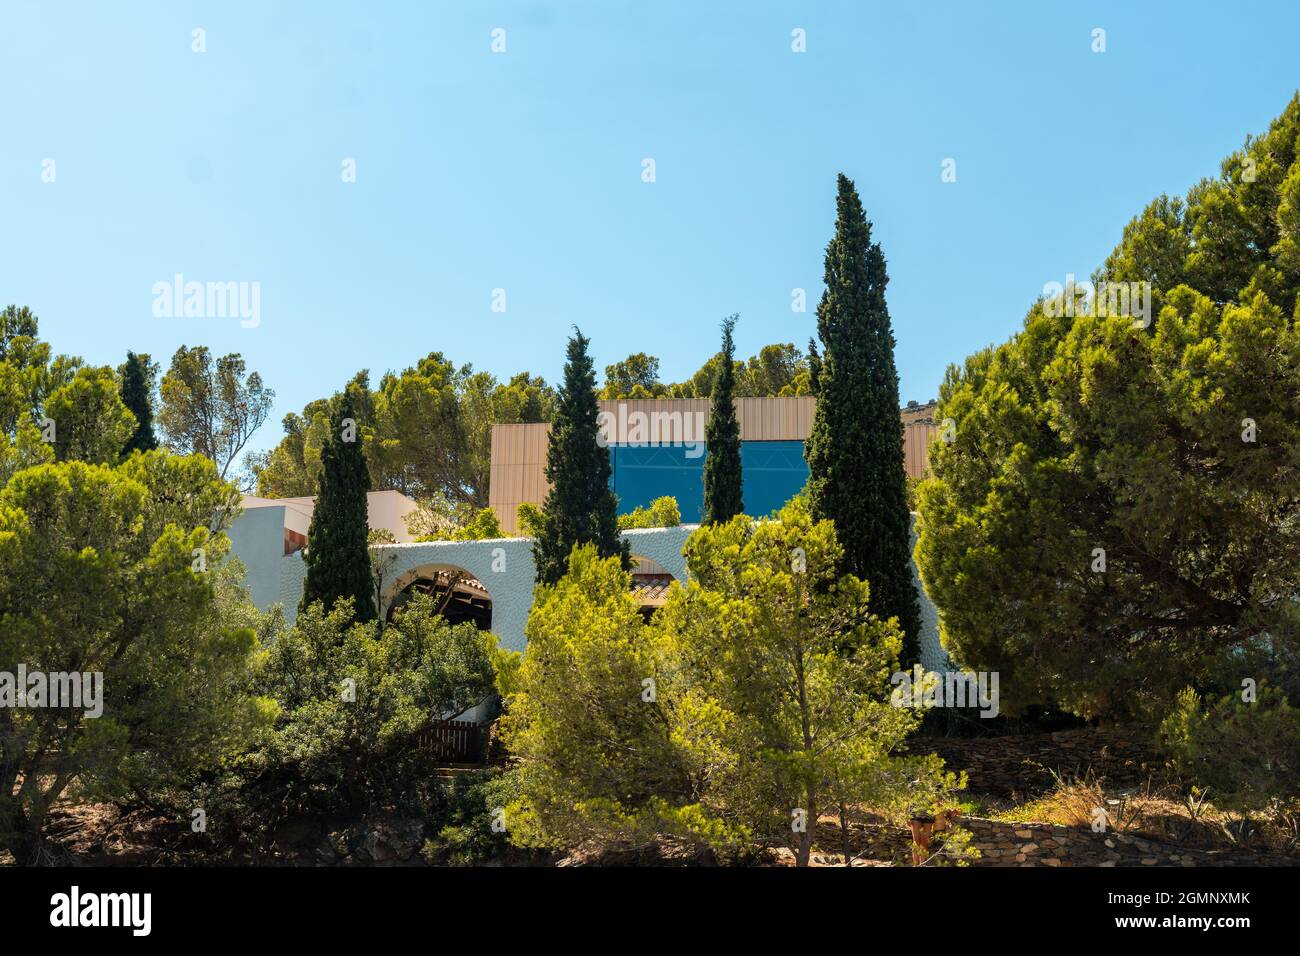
(338, 556)
(723, 497)
(136, 389)
(855, 450)
(580, 508)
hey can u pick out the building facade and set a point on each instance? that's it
(657, 448)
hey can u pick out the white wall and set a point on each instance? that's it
(257, 539)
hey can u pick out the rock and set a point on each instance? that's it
(388, 839)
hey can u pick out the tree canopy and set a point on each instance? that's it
(104, 571)
(1117, 514)
(212, 406)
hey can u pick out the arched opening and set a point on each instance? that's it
(458, 596)
(650, 583)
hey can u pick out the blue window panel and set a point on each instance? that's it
(772, 471)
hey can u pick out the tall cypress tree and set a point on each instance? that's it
(137, 375)
(580, 508)
(338, 556)
(855, 450)
(723, 499)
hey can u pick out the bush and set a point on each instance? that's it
(482, 526)
(475, 803)
(530, 520)
(662, 513)
(758, 694)
(351, 698)
(1246, 756)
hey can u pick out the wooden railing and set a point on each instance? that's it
(453, 741)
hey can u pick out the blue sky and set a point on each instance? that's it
(523, 170)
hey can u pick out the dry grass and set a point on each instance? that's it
(1162, 812)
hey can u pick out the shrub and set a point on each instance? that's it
(482, 526)
(1245, 755)
(530, 520)
(351, 698)
(662, 513)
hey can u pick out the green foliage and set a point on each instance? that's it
(338, 558)
(580, 508)
(779, 369)
(210, 407)
(441, 520)
(1245, 756)
(760, 689)
(482, 526)
(101, 571)
(529, 519)
(1089, 433)
(427, 432)
(464, 835)
(723, 498)
(637, 376)
(91, 423)
(350, 699)
(662, 513)
(29, 373)
(25, 449)
(855, 451)
(596, 761)
(137, 375)
(784, 645)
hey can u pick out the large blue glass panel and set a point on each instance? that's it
(773, 472)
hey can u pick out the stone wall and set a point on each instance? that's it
(1023, 764)
(1046, 844)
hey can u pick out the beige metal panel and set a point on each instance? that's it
(760, 419)
(916, 447)
(505, 512)
(518, 469)
(534, 440)
(775, 419)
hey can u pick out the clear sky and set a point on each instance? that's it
(522, 170)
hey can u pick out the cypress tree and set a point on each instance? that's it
(136, 389)
(855, 451)
(338, 556)
(580, 508)
(723, 498)
(814, 366)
